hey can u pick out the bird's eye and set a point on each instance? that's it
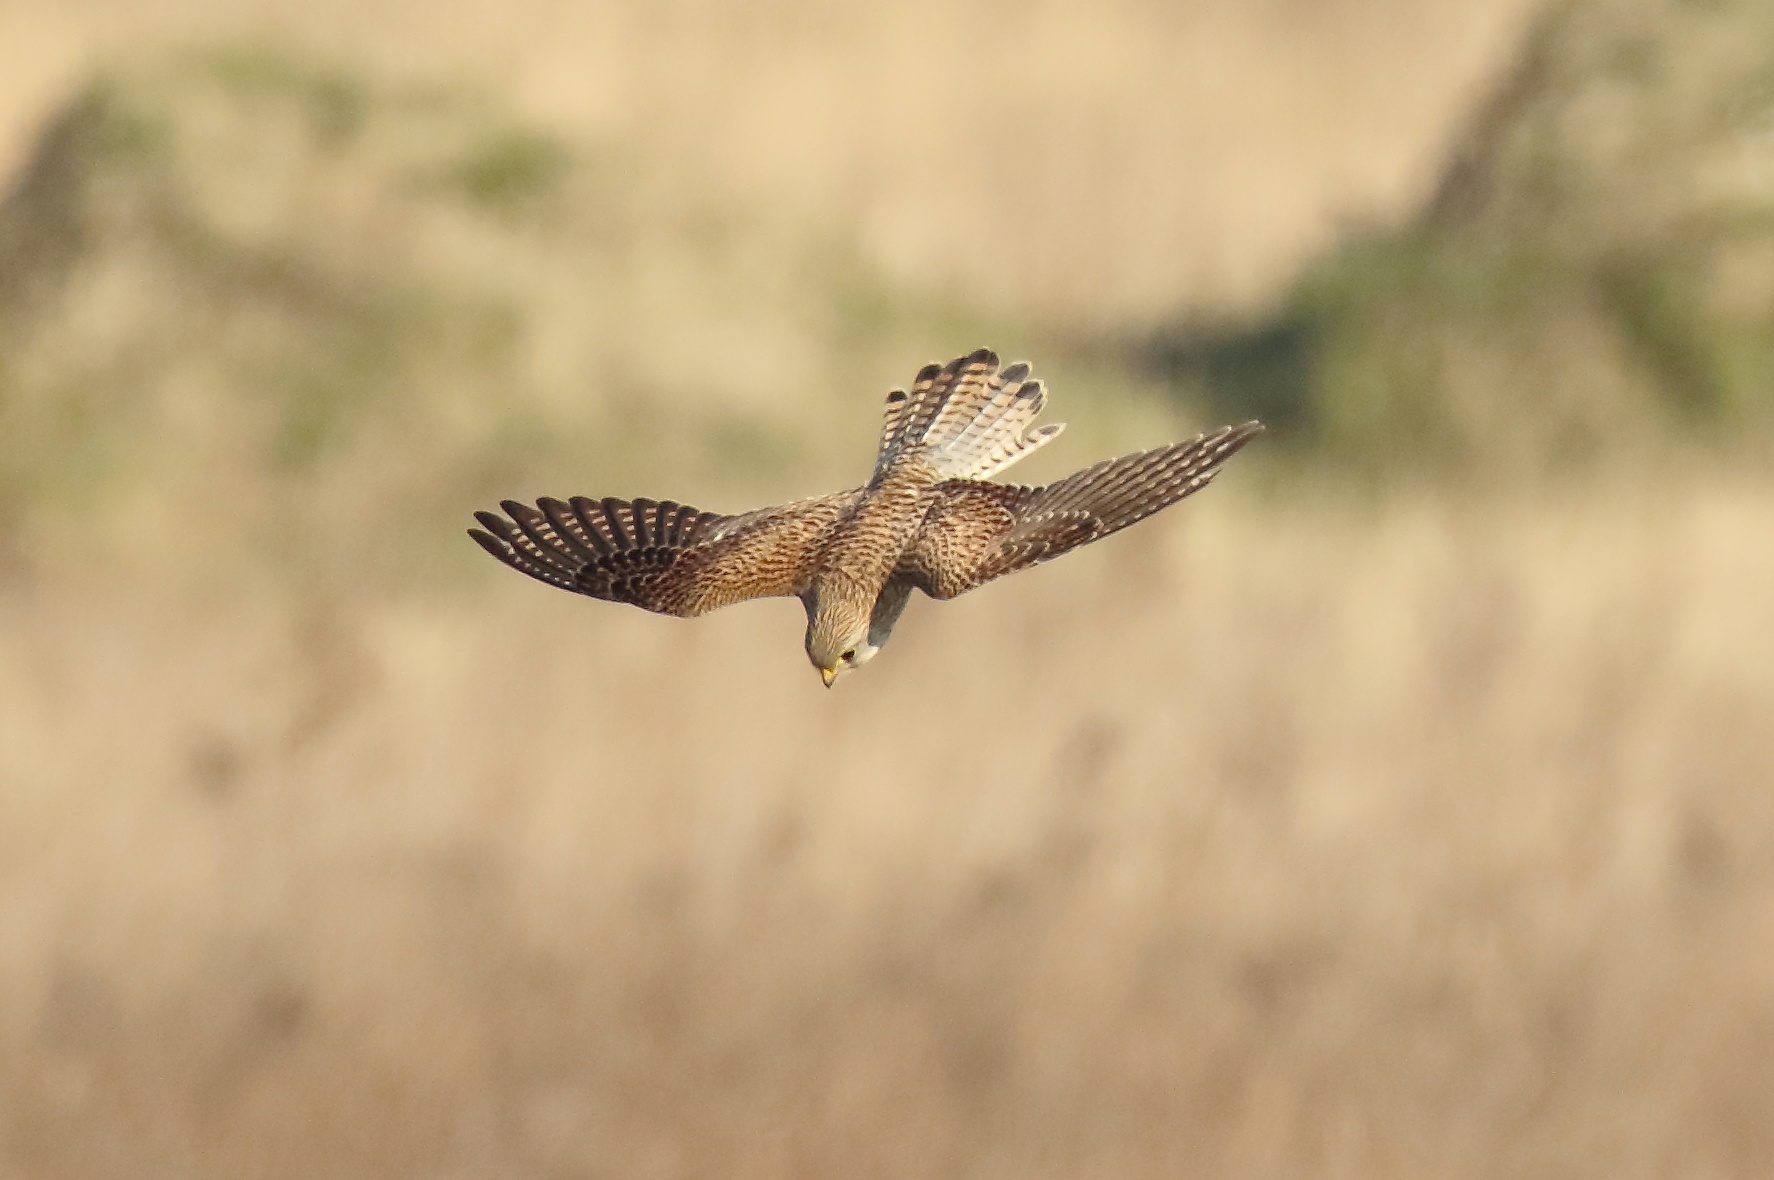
(849, 655)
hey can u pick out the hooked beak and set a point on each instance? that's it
(828, 675)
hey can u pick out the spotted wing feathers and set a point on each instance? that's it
(657, 554)
(967, 419)
(980, 531)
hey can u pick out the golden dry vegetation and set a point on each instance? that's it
(1314, 829)
(1427, 839)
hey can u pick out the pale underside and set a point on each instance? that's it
(928, 519)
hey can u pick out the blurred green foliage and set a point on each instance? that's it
(1594, 275)
(511, 167)
(336, 102)
(249, 286)
(260, 290)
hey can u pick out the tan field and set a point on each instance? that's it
(1318, 828)
(1423, 840)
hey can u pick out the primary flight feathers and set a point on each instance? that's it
(928, 519)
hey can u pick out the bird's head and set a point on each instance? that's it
(838, 635)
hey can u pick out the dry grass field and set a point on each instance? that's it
(1349, 840)
(1325, 827)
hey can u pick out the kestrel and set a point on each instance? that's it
(927, 519)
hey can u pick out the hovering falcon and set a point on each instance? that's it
(928, 519)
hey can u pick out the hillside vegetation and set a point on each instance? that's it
(262, 290)
(1593, 278)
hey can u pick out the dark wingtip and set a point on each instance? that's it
(490, 543)
(1238, 435)
(1232, 439)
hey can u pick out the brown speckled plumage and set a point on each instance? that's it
(927, 519)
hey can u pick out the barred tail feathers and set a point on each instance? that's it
(966, 419)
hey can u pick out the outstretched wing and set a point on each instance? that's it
(980, 531)
(658, 555)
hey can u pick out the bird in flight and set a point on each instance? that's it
(928, 519)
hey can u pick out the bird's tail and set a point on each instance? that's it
(967, 419)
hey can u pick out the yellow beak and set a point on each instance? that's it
(828, 675)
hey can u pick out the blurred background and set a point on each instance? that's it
(1402, 806)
